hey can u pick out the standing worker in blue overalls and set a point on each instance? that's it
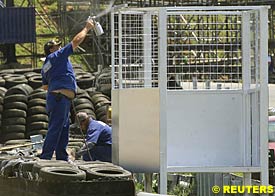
(98, 139)
(59, 79)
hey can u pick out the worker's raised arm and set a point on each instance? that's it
(78, 39)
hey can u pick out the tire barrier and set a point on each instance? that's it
(15, 112)
(107, 173)
(104, 82)
(37, 118)
(62, 179)
(85, 80)
(101, 103)
(23, 102)
(3, 91)
(83, 103)
(61, 174)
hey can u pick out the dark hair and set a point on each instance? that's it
(49, 45)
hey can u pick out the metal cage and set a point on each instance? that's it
(181, 75)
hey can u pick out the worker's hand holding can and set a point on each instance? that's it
(96, 26)
(89, 23)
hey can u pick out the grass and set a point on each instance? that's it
(44, 32)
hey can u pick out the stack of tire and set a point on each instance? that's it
(85, 80)
(83, 103)
(14, 79)
(104, 82)
(37, 121)
(34, 79)
(15, 112)
(101, 104)
(3, 91)
(102, 170)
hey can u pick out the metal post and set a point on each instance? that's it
(147, 50)
(162, 53)
(120, 49)
(264, 95)
(246, 73)
(113, 49)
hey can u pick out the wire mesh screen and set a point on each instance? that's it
(204, 49)
(135, 50)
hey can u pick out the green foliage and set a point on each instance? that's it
(181, 190)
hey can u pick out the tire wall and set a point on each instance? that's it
(23, 102)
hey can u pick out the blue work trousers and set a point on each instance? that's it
(99, 153)
(58, 108)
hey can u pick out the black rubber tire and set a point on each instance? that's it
(101, 104)
(2, 82)
(38, 90)
(14, 121)
(100, 99)
(11, 113)
(3, 91)
(23, 89)
(49, 163)
(13, 136)
(61, 174)
(27, 166)
(107, 172)
(37, 110)
(14, 129)
(37, 117)
(98, 96)
(13, 81)
(15, 98)
(35, 81)
(30, 74)
(37, 126)
(102, 109)
(84, 95)
(82, 101)
(1, 100)
(7, 76)
(14, 142)
(41, 95)
(37, 102)
(16, 105)
(84, 106)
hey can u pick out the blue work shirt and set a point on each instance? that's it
(57, 71)
(99, 133)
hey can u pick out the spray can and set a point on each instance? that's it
(97, 27)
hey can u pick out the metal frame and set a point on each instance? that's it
(254, 89)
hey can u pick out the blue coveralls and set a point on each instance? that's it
(57, 72)
(101, 135)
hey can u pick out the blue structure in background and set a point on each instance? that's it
(17, 25)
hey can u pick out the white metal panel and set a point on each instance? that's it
(138, 130)
(115, 126)
(204, 129)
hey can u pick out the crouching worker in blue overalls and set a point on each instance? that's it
(59, 79)
(98, 139)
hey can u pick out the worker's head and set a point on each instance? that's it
(83, 119)
(51, 46)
